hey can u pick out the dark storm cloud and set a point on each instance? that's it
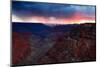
(23, 9)
(28, 9)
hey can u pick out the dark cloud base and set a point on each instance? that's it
(28, 9)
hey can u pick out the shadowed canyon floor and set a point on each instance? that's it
(41, 44)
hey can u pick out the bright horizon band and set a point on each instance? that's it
(48, 13)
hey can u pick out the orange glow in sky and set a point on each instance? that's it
(76, 19)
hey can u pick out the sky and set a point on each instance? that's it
(52, 13)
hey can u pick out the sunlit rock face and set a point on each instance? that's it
(21, 47)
